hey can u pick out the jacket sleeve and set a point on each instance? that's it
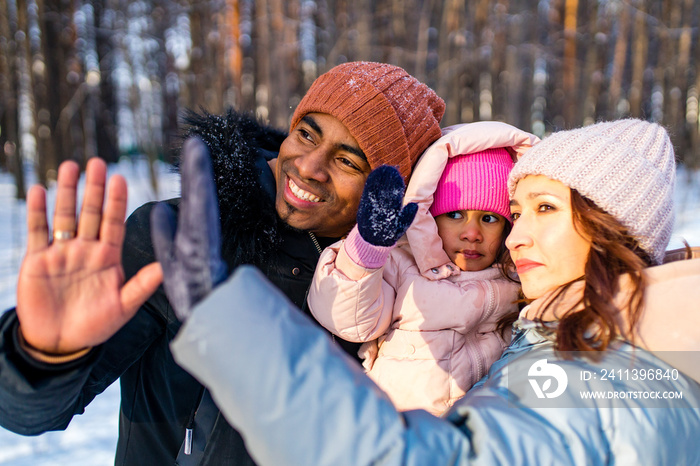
(298, 400)
(351, 301)
(36, 397)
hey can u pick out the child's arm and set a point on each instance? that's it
(348, 295)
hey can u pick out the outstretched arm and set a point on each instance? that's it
(292, 393)
(71, 293)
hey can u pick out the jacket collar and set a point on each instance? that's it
(240, 147)
(669, 325)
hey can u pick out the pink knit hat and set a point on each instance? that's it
(475, 181)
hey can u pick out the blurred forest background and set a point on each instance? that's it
(111, 77)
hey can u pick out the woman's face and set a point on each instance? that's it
(545, 246)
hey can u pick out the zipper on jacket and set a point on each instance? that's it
(188, 441)
(189, 427)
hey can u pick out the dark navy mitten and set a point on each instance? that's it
(381, 220)
(189, 252)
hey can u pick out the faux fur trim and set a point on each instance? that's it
(249, 221)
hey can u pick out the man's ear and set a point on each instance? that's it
(273, 164)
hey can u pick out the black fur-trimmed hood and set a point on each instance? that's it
(237, 143)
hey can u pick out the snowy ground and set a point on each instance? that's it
(91, 438)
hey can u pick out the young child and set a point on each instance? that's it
(428, 306)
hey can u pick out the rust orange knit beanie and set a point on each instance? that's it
(392, 116)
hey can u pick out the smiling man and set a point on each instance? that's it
(320, 173)
(282, 198)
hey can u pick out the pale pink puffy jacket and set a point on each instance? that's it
(429, 328)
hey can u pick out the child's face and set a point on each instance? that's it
(471, 238)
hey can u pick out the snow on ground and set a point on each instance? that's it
(91, 438)
(687, 204)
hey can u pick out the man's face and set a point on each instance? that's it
(320, 173)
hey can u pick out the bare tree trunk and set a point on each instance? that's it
(640, 51)
(570, 63)
(217, 34)
(282, 67)
(195, 77)
(523, 97)
(693, 122)
(619, 59)
(62, 95)
(363, 15)
(26, 126)
(479, 77)
(499, 60)
(419, 67)
(692, 160)
(12, 147)
(307, 46)
(168, 78)
(679, 92)
(106, 116)
(556, 98)
(247, 15)
(8, 99)
(45, 150)
(452, 48)
(235, 51)
(264, 47)
(396, 29)
(539, 110)
(590, 79)
(89, 71)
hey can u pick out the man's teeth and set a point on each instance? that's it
(301, 194)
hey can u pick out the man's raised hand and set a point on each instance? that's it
(71, 293)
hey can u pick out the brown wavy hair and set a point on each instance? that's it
(614, 252)
(507, 269)
(503, 259)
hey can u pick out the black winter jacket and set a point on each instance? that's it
(158, 398)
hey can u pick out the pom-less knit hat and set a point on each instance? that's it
(627, 167)
(392, 116)
(475, 181)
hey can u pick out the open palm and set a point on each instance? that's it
(71, 292)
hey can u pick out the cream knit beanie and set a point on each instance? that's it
(627, 167)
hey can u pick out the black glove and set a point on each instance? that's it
(380, 219)
(190, 255)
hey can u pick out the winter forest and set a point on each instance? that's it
(111, 77)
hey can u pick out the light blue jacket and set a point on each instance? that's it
(299, 400)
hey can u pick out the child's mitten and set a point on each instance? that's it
(381, 220)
